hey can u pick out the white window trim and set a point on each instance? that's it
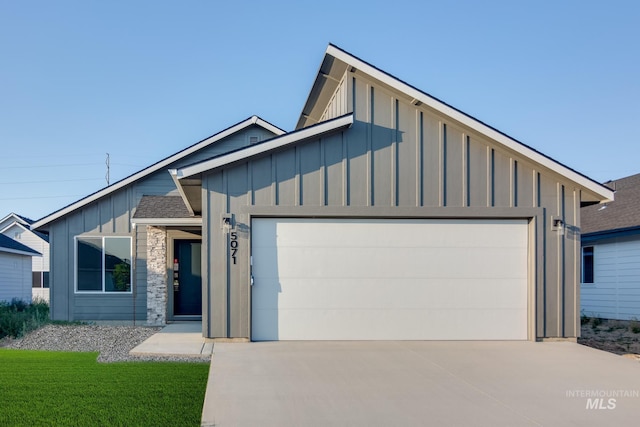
(75, 266)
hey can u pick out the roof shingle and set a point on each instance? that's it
(622, 213)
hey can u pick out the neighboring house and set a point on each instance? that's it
(15, 270)
(17, 227)
(386, 214)
(611, 253)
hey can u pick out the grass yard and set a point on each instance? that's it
(41, 388)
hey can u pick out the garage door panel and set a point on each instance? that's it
(437, 324)
(497, 233)
(397, 262)
(379, 293)
(389, 279)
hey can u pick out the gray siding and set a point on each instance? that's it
(111, 216)
(405, 160)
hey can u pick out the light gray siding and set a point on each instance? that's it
(398, 159)
(33, 241)
(15, 277)
(615, 293)
(111, 216)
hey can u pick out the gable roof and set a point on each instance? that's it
(42, 236)
(254, 120)
(9, 245)
(336, 61)
(621, 214)
(17, 218)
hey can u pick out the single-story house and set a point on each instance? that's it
(610, 283)
(15, 270)
(18, 228)
(386, 214)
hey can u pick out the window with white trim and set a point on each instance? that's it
(103, 264)
(587, 264)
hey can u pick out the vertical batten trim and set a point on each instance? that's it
(345, 172)
(371, 113)
(250, 187)
(488, 176)
(420, 160)
(274, 181)
(443, 164)
(323, 176)
(465, 169)
(492, 178)
(394, 152)
(297, 180)
(514, 180)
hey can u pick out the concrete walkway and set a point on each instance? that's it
(420, 383)
(181, 339)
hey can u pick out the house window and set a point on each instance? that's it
(36, 279)
(103, 264)
(253, 140)
(587, 264)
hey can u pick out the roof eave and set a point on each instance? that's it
(599, 192)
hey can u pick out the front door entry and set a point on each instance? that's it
(187, 280)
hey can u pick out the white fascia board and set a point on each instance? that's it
(272, 144)
(167, 221)
(185, 200)
(597, 188)
(254, 120)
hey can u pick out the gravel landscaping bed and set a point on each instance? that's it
(615, 336)
(112, 342)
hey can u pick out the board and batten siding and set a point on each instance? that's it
(15, 277)
(398, 159)
(615, 291)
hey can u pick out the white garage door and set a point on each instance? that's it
(389, 279)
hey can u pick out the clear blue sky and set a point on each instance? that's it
(144, 79)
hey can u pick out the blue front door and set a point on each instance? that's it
(187, 283)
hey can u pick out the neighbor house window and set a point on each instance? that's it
(587, 264)
(103, 264)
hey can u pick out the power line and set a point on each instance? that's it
(49, 180)
(41, 197)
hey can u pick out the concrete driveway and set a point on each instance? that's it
(420, 383)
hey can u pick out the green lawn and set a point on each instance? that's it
(39, 388)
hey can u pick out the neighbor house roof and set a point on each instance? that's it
(620, 215)
(17, 218)
(43, 236)
(254, 120)
(336, 61)
(9, 245)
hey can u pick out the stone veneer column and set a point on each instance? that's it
(156, 276)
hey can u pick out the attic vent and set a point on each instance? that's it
(253, 140)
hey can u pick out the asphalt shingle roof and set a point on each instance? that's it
(9, 243)
(622, 213)
(161, 207)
